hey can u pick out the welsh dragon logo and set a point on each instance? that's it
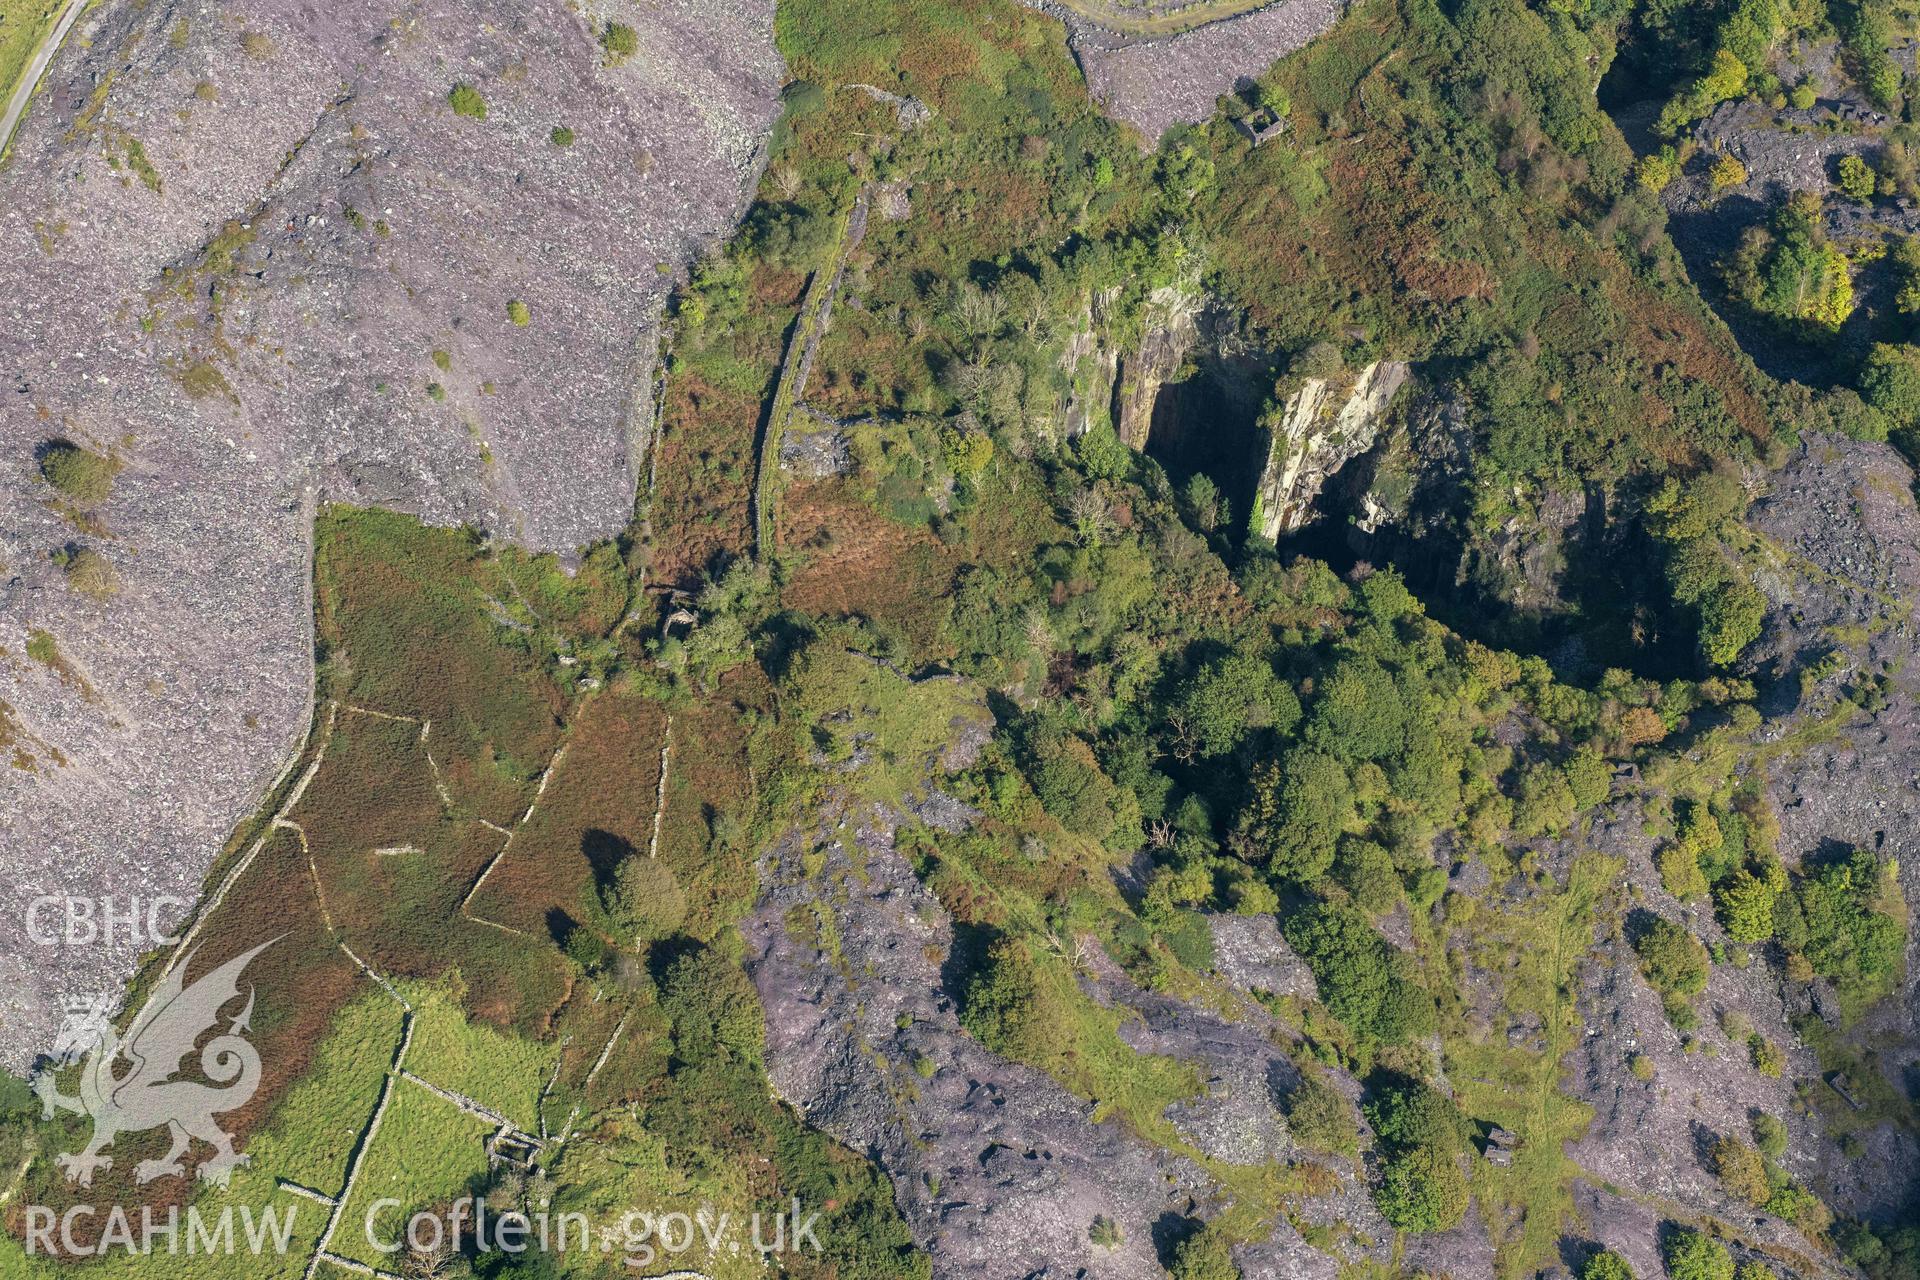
(146, 1094)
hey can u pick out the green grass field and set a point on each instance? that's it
(501, 1072)
(428, 1152)
(306, 1141)
(315, 1126)
(23, 25)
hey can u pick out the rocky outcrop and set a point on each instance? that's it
(1842, 579)
(1250, 954)
(1844, 513)
(1236, 1118)
(1169, 333)
(1321, 428)
(1091, 363)
(998, 1170)
(818, 452)
(253, 252)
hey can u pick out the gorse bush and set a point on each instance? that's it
(1320, 1118)
(1606, 1265)
(1741, 1170)
(1770, 1135)
(91, 574)
(1693, 1255)
(1422, 1190)
(77, 472)
(1405, 1112)
(1008, 1009)
(466, 101)
(620, 41)
(1205, 1254)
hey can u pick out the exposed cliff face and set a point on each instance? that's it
(1109, 383)
(1168, 336)
(1319, 431)
(1091, 363)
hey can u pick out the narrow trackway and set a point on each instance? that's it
(35, 68)
(1178, 22)
(796, 366)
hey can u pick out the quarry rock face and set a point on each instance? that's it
(257, 258)
(1169, 334)
(1320, 430)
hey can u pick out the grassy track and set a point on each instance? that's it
(1526, 1205)
(1120, 19)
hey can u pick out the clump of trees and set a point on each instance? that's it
(1725, 77)
(1841, 917)
(1366, 981)
(1695, 520)
(1889, 1253)
(1844, 917)
(1789, 272)
(1068, 781)
(1671, 959)
(645, 902)
(1866, 30)
(1751, 1172)
(1422, 1137)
